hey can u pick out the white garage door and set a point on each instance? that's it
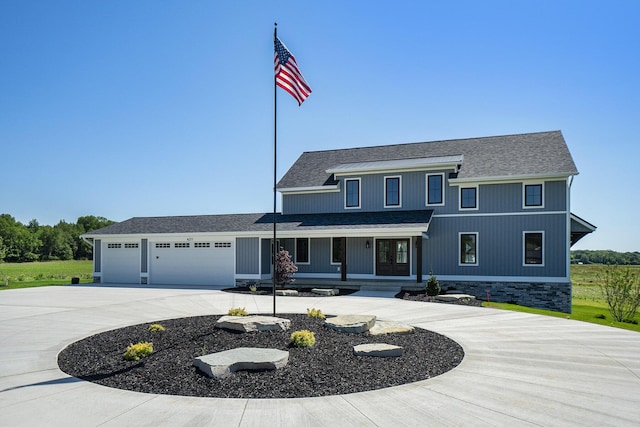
(192, 263)
(120, 262)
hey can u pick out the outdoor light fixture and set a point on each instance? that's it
(368, 245)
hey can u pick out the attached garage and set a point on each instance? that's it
(120, 262)
(192, 262)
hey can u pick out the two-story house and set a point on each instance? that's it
(488, 216)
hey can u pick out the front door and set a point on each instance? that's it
(392, 257)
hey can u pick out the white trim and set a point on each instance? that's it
(406, 165)
(477, 199)
(466, 264)
(359, 193)
(524, 248)
(499, 214)
(568, 236)
(315, 189)
(510, 179)
(308, 250)
(524, 194)
(502, 279)
(582, 222)
(442, 186)
(399, 205)
(248, 277)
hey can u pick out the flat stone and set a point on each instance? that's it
(383, 328)
(286, 292)
(224, 363)
(454, 297)
(326, 292)
(378, 350)
(351, 323)
(253, 323)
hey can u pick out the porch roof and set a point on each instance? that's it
(262, 223)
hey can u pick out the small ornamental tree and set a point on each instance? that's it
(432, 287)
(621, 290)
(285, 268)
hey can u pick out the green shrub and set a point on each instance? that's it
(156, 327)
(621, 289)
(303, 338)
(316, 313)
(238, 311)
(432, 287)
(138, 351)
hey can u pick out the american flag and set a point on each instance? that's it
(288, 76)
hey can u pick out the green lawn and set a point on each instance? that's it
(31, 274)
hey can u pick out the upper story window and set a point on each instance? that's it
(533, 248)
(435, 189)
(302, 251)
(392, 191)
(468, 197)
(533, 195)
(468, 249)
(352, 193)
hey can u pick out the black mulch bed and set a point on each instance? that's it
(327, 368)
(302, 292)
(422, 296)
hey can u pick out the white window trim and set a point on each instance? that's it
(524, 195)
(308, 251)
(460, 208)
(461, 264)
(359, 193)
(331, 251)
(441, 190)
(524, 248)
(399, 205)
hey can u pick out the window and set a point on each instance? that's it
(163, 245)
(202, 245)
(302, 251)
(468, 249)
(114, 245)
(534, 248)
(435, 189)
(533, 196)
(336, 250)
(392, 191)
(468, 197)
(131, 245)
(352, 193)
(222, 245)
(181, 245)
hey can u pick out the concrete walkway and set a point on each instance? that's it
(519, 369)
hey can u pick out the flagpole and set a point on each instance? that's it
(275, 154)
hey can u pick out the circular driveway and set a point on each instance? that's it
(519, 369)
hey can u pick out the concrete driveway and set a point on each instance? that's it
(518, 369)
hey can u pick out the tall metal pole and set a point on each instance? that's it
(275, 155)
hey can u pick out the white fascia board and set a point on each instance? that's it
(351, 232)
(582, 222)
(316, 189)
(508, 179)
(394, 166)
(502, 279)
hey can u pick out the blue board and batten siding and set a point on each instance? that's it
(248, 255)
(496, 198)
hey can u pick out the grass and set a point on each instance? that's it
(33, 274)
(587, 299)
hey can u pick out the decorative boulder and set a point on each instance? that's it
(253, 323)
(352, 324)
(224, 363)
(377, 350)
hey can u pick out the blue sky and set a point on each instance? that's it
(152, 108)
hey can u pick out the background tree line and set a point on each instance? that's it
(605, 257)
(35, 242)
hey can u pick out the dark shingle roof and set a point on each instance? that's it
(531, 154)
(263, 222)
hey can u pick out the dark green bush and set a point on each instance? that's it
(432, 287)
